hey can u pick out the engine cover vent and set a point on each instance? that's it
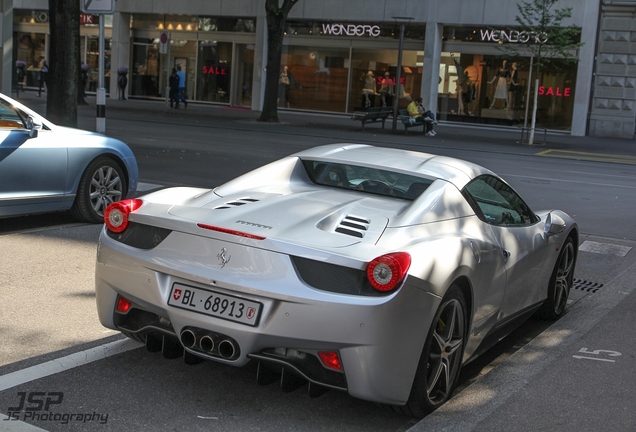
(353, 226)
(236, 203)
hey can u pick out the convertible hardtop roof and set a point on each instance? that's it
(456, 171)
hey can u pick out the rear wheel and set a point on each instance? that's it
(441, 358)
(560, 283)
(102, 183)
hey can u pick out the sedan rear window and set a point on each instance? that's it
(365, 179)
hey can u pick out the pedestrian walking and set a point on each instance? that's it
(173, 83)
(182, 87)
(44, 73)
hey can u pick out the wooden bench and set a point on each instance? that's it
(371, 115)
(406, 121)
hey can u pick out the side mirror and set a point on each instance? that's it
(33, 126)
(554, 224)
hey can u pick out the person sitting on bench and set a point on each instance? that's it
(418, 113)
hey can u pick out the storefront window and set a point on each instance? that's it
(227, 24)
(193, 23)
(91, 43)
(373, 78)
(316, 78)
(245, 75)
(145, 70)
(489, 89)
(214, 71)
(31, 50)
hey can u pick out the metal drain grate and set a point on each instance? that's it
(587, 286)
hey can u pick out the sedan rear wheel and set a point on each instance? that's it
(441, 358)
(560, 283)
(102, 183)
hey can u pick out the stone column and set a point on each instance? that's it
(430, 72)
(120, 52)
(585, 68)
(260, 61)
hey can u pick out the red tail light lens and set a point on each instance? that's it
(330, 359)
(388, 271)
(123, 305)
(116, 214)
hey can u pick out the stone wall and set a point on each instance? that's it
(614, 102)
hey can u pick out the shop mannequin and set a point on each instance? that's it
(286, 82)
(464, 85)
(368, 92)
(512, 88)
(501, 92)
(386, 90)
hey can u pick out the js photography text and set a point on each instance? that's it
(36, 406)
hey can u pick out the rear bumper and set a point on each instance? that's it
(379, 340)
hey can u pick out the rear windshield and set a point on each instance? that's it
(364, 179)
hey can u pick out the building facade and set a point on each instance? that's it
(613, 110)
(342, 56)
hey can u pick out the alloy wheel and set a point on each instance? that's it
(445, 353)
(105, 188)
(563, 280)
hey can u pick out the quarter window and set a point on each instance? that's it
(497, 203)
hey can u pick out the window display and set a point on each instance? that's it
(214, 71)
(489, 89)
(373, 78)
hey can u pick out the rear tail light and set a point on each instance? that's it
(123, 305)
(330, 359)
(116, 214)
(388, 271)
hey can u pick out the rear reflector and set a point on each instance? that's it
(230, 231)
(123, 304)
(330, 359)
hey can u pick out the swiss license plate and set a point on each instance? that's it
(215, 304)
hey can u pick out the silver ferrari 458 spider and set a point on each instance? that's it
(375, 271)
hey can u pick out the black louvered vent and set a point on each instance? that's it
(353, 226)
(236, 203)
(334, 278)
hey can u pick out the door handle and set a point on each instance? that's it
(505, 254)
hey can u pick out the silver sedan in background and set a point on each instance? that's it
(46, 168)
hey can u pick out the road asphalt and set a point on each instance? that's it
(578, 374)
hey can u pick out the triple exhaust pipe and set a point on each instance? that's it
(210, 343)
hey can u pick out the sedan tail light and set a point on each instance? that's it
(388, 271)
(116, 214)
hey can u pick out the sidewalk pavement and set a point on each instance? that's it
(578, 374)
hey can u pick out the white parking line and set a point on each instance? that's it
(62, 364)
(16, 426)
